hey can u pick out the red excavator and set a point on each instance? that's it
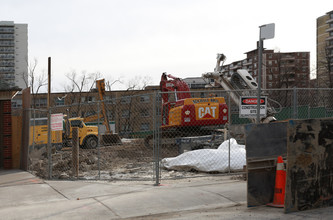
(180, 110)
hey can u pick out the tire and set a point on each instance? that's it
(91, 142)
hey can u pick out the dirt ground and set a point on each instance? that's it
(130, 161)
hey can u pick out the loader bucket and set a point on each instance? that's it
(111, 139)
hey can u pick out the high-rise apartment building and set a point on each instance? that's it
(13, 55)
(279, 70)
(325, 50)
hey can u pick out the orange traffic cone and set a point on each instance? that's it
(280, 184)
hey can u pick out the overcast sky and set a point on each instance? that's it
(138, 38)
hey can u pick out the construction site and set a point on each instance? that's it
(171, 132)
(151, 125)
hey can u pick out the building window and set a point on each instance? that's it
(87, 99)
(144, 98)
(125, 127)
(42, 102)
(125, 113)
(17, 103)
(144, 113)
(110, 115)
(109, 99)
(125, 100)
(144, 127)
(59, 101)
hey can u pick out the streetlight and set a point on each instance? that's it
(267, 31)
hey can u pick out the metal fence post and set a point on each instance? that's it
(49, 144)
(156, 139)
(75, 151)
(33, 134)
(229, 116)
(295, 115)
(98, 143)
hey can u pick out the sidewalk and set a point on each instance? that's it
(24, 196)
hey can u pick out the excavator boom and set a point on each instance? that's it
(240, 80)
(109, 137)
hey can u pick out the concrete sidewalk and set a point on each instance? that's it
(24, 196)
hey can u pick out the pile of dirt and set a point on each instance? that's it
(131, 160)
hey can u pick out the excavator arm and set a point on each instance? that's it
(241, 80)
(101, 92)
(174, 84)
(109, 137)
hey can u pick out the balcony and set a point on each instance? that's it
(7, 77)
(7, 30)
(6, 50)
(247, 63)
(6, 36)
(329, 21)
(7, 64)
(237, 66)
(288, 58)
(7, 56)
(7, 43)
(7, 69)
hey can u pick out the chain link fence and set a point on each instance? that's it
(129, 138)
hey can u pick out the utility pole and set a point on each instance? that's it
(267, 31)
(49, 144)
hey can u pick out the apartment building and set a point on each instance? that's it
(325, 50)
(13, 55)
(279, 70)
(13, 75)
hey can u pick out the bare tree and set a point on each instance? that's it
(109, 83)
(134, 86)
(34, 80)
(79, 83)
(325, 67)
(138, 83)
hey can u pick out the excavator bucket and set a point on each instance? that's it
(111, 139)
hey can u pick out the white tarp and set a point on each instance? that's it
(210, 160)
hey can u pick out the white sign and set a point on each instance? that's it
(267, 31)
(248, 106)
(56, 122)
